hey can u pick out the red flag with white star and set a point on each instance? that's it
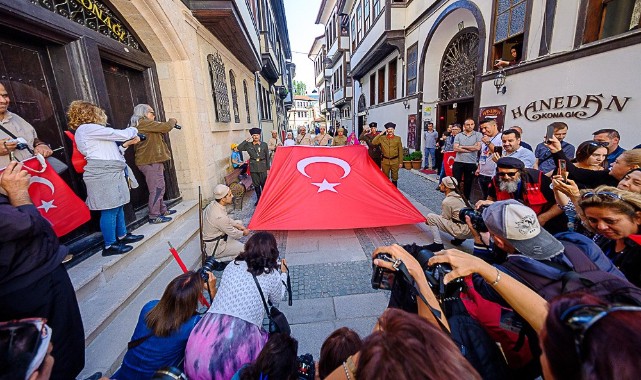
(54, 199)
(326, 188)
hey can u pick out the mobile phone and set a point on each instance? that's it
(383, 278)
(563, 170)
(499, 150)
(549, 133)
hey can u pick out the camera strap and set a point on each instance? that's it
(5, 130)
(438, 314)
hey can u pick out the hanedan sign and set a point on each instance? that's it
(570, 106)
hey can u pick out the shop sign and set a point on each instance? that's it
(493, 112)
(570, 106)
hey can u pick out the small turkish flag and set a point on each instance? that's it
(448, 162)
(327, 188)
(54, 199)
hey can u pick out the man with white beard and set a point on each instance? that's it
(528, 186)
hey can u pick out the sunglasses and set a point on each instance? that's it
(580, 318)
(507, 174)
(603, 195)
(601, 144)
(25, 338)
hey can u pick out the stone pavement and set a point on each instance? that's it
(331, 270)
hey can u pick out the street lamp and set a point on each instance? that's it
(499, 82)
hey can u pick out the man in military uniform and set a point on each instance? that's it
(274, 142)
(258, 160)
(323, 139)
(341, 139)
(219, 230)
(303, 138)
(392, 148)
(367, 136)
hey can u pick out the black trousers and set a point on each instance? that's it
(52, 297)
(464, 172)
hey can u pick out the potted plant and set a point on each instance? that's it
(407, 162)
(417, 159)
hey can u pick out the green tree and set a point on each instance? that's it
(300, 88)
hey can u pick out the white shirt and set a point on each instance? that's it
(97, 142)
(289, 142)
(487, 166)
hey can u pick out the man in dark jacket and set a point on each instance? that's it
(33, 282)
(258, 160)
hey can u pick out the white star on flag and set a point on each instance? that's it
(46, 205)
(325, 186)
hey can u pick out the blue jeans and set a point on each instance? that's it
(430, 152)
(112, 224)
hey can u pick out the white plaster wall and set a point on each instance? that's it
(612, 73)
(372, 36)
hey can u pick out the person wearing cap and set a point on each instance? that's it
(323, 139)
(303, 138)
(237, 160)
(273, 142)
(219, 230)
(516, 231)
(448, 221)
(374, 151)
(258, 160)
(392, 149)
(528, 186)
(341, 139)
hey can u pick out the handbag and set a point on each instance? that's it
(278, 323)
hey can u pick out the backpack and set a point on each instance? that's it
(579, 274)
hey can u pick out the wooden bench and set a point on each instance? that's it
(238, 186)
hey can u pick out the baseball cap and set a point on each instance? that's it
(234, 145)
(220, 191)
(519, 225)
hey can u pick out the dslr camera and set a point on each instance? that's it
(476, 217)
(306, 367)
(383, 278)
(211, 265)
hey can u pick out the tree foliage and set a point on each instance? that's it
(299, 88)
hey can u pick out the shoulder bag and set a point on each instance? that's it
(277, 321)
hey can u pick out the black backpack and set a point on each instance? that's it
(579, 274)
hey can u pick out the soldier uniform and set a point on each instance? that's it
(392, 148)
(323, 139)
(273, 143)
(303, 139)
(340, 140)
(219, 228)
(258, 161)
(374, 151)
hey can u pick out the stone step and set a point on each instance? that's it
(105, 285)
(105, 351)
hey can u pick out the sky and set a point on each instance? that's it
(301, 15)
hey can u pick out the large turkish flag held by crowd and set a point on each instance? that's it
(325, 188)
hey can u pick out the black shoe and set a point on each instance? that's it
(130, 238)
(457, 242)
(435, 247)
(95, 376)
(116, 249)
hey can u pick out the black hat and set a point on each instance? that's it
(254, 131)
(373, 124)
(390, 125)
(510, 163)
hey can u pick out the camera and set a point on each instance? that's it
(476, 217)
(387, 279)
(142, 136)
(178, 126)
(210, 265)
(22, 143)
(306, 367)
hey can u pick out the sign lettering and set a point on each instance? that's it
(570, 106)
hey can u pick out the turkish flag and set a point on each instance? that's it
(326, 188)
(448, 162)
(54, 198)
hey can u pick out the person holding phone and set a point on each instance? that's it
(544, 160)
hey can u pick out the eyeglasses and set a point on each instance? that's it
(580, 318)
(603, 195)
(26, 336)
(508, 174)
(602, 144)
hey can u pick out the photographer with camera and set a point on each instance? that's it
(17, 136)
(277, 360)
(105, 172)
(449, 220)
(151, 155)
(220, 232)
(164, 325)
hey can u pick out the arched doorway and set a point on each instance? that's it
(362, 108)
(457, 78)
